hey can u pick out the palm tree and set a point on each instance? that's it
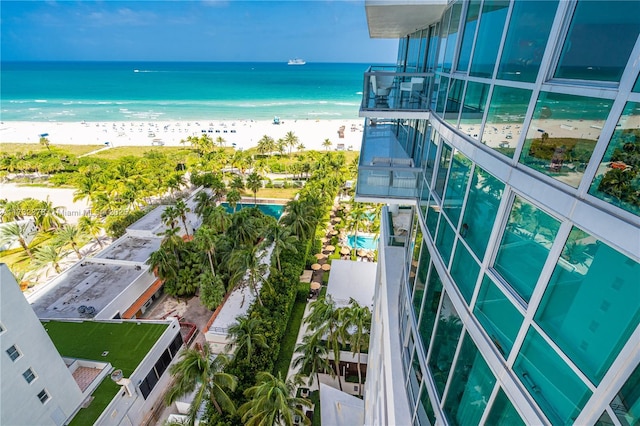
(245, 334)
(219, 219)
(69, 234)
(245, 262)
(49, 256)
(204, 203)
(237, 183)
(206, 239)
(16, 232)
(325, 318)
(291, 140)
(357, 215)
(44, 141)
(326, 144)
(271, 402)
(356, 326)
(48, 217)
(254, 183)
(181, 211)
(92, 226)
(221, 141)
(202, 370)
(299, 216)
(233, 197)
(169, 216)
(266, 145)
(312, 357)
(12, 211)
(163, 263)
(282, 240)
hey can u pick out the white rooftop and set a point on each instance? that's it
(131, 248)
(352, 279)
(338, 408)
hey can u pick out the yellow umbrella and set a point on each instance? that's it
(326, 267)
(345, 250)
(316, 266)
(315, 285)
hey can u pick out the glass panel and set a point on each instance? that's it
(426, 414)
(454, 101)
(444, 240)
(469, 32)
(600, 40)
(499, 318)
(526, 40)
(471, 386)
(442, 95)
(456, 186)
(626, 404)
(481, 210)
(505, 117)
(432, 299)
(494, 13)
(590, 307)
(433, 46)
(433, 213)
(444, 30)
(417, 246)
(636, 88)
(413, 52)
(443, 168)
(475, 99)
(503, 412)
(604, 420)
(430, 153)
(563, 132)
(415, 378)
(557, 390)
(424, 198)
(452, 38)
(408, 350)
(616, 181)
(445, 344)
(421, 279)
(531, 231)
(464, 271)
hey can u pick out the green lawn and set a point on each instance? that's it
(13, 148)
(127, 344)
(288, 343)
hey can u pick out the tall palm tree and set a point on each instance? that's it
(169, 216)
(16, 232)
(163, 263)
(206, 239)
(355, 328)
(218, 219)
(12, 211)
(200, 370)
(326, 144)
(182, 209)
(245, 262)
(298, 217)
(272, 402)
(291, 140)
(233, 197)
(69, 235)
(44, 141)
(93, 226)
(357, 216)
(325, 318)
(312, 357)
(49, 255)
(245, 334)
(282, 240)
(47, 216)
(204, 203)
(266, 145)
(254, 183)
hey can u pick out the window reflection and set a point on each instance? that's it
(506, 114)
(464, 271)
(590, 307)
(529, 231)
(452, 37)
(444, 344)
(558, 391)
(503, 412)
(626, 404)
(444, 31)
(431, 302)
(480, 211)
(494, 13)
(499, 318)
(473, 107)
(433, 213)
(470, 24)
(526, 40)
(443, 168)
(456, 186)
(420, 277)
(441, 99)
(636, 87)
(562, 135)
(426, 414)
(454, 101)
(600, 39)
(444, 240)
(618, 178)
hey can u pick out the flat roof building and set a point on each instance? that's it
(511, 132)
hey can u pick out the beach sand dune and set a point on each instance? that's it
(242, 134)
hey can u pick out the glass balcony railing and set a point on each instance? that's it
(388, 90)
(385, 169)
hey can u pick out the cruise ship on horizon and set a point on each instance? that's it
(296, 61)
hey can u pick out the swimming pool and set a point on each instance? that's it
(367, 242)
(274, 210)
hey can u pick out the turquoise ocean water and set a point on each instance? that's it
(128, 91)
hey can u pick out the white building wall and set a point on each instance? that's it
(19, 403)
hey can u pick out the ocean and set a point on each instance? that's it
(153, 91)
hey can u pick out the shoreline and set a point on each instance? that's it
(240, 134)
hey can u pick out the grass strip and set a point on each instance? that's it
(288, 343)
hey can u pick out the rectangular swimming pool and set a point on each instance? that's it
(274, 210)
(367, 242)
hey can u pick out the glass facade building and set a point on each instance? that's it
(514, 297)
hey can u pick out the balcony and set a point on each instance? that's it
(386, 90)
(385, 170)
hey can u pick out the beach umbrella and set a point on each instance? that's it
(361, 253)
(320, 256)
(316, 266)
(315, 285)
(329, 248)
(324, 240)
(326, 267)
(334, 232)
(345, 250)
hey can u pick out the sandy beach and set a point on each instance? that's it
(241, 134)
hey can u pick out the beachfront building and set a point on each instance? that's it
(510, 131)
